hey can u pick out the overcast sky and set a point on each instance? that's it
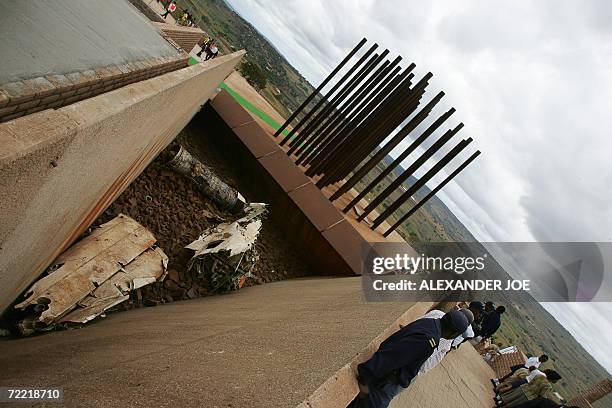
(532, 81)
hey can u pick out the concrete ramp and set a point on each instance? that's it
(282, 344)
(460, 381)
(267, 346)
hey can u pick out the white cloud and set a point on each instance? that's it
(532, 81)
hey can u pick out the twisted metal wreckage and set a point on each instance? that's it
(99, 272)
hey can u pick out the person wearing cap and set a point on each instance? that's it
(445, 345)
(491, 322)
(399, 358)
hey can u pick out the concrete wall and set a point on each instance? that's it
(185, 37)
(61, 168)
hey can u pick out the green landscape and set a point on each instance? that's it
(527, 324)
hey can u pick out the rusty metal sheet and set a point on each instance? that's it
(311, 201)
(88, 264)
(232, 113)
(256, 139)
(284, 171)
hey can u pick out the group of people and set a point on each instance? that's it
(421, 345)
(526, 386)
(209, 47)
(185, 18)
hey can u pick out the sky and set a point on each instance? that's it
(531, 81)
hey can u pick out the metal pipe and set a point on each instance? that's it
(329, 94)
(389, 96)
(389, 146)
(320, 87)
(392, 111)
(395, 141)
(339, 123)
(367, 68)
(417, 142)
(432, 193)
(409, 171)
(421, 182)
(365, 111)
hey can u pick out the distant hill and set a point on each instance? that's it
(231, 32)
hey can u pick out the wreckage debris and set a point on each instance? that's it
(225, 254)
(207, 181)
(94, 275)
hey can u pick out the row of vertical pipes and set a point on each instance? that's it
(341, 137)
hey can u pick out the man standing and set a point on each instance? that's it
(170, 9)
(400, 356)
(491, 322)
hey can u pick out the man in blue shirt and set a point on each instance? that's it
(491, 322)
(400, 356)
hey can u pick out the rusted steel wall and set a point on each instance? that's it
(329, 241)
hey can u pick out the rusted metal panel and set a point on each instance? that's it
(256, 139)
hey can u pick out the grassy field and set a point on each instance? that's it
(286, 87)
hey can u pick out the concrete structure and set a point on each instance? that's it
(58, 53)
(61, 168)
(593, 394)
(55, 37)
(504, 362)
(184, 37)
(259, 347)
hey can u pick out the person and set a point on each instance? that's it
(491, 322)
(399, 358)
(212, 52)
(521, 376)
(469, 332)
(478, 310)
(445, 346)
(171, 8)
(531, 362)
(491, 352)
(204, 43)
(541, 386)
(183, 18)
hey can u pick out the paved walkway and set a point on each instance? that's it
(157, 7)
(460, 381)
(267, 346)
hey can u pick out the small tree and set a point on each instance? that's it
(254, 75)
